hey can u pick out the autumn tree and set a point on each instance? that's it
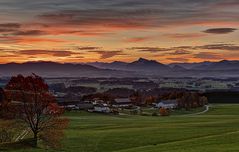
(1, 95)
(2, 102)
(164, 112)
(137, 98)
(203, 100)
(32, 103)
(191, 100)
(150, 99)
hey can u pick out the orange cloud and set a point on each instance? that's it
(30, 40)
(185, 35)
(108, 54)
(208, 55)
(137, 39)
(54, 53)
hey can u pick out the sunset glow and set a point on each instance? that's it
(123, 30)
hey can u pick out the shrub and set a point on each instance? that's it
(134, 112)
(8, 130)
(6, 135)
(164, 112)
(144, 114)
(154, 114)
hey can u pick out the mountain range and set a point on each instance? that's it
(140, 65)
(139, 68)
(54, 69)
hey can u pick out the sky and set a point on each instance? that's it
(119, 30)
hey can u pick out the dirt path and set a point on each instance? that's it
(22, 135)
(199, 113)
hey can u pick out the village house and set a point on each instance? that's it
(102, 108)
(122, 103)
(76, 105)
(69, 105)
(167, 104)
(97, 101)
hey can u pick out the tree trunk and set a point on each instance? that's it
(35, 138)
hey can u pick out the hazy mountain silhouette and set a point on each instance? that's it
(222, 65)
(150, 67)
(116, 65)
(178, 68)
(147, 65)
(139, 68)
(191, 65)
(140, 65)
(53, 69)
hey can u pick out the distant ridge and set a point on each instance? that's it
(54, 69)
(190, 65)
(220, 69)
(139, 65)
(139, 68)
(220, 65)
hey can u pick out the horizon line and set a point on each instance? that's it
(38, 61)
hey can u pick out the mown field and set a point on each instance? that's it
(217, 130)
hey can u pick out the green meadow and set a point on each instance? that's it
(214, 131)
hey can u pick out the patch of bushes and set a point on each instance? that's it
(164, 112)
(7, 131)
(6, 135)
(154, 114)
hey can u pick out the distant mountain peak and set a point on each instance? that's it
(142, 60)
(41, 62)
(118, 62)
(145, 61)
(224, 61)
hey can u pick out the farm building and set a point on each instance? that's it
(97, 101)
(69, 105)
(76, 105)
(122, 102)
(103, 108)
(168, 104)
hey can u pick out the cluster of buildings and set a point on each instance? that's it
(97, 105)
(100, 106)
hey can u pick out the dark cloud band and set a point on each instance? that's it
(220, 30)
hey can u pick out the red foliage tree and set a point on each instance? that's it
(164, 112)
(32, 103)
(150, 99)
(137, 98)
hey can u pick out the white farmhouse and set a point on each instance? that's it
(104, 108)
(167, 104)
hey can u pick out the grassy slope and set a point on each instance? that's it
(216, 130)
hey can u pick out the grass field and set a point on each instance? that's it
(215, 131)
